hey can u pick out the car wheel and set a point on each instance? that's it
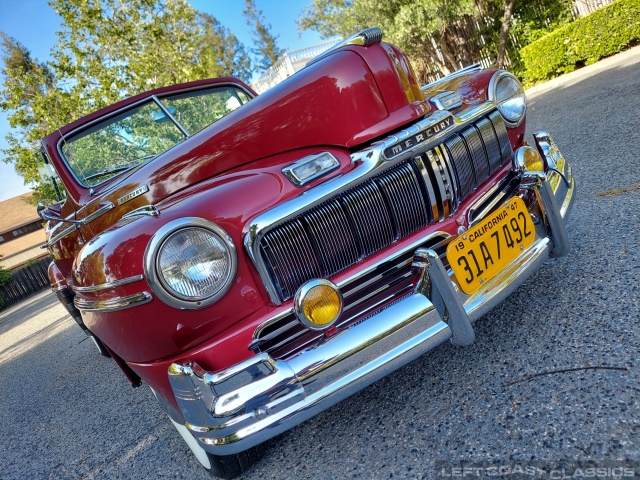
(232, 466)
(227, 466)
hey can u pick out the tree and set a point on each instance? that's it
(267, 50)
(419, 27)
(28, 93)
(427, 29)
(504, 31)
(509, 25)
(107, 50)
(5, 275)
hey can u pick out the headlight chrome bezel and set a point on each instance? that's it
(493, 97)
(154, 277)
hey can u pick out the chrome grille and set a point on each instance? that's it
(390, 206)
(329, 227)
(491, 145)
(471, 136)
(291, 258)
(371, 219)
(364, 296)
(405, 200)
(464, 167)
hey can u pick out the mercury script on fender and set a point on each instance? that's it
(129, 196)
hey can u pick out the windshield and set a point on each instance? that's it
(145, 131)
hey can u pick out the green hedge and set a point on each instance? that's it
(606, 31)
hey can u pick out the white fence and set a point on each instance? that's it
(289, 64)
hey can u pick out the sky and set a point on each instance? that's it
(34, 23)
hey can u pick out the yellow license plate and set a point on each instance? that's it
(482, 251)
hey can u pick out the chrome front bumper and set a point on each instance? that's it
(232, 410)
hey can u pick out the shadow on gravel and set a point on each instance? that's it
(25, 310)
(34, 339)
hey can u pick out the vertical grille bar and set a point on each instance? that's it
(491, 144)
(405, 199)
(428, 187)
(295, 261)
(370, 215)
(478, 155)
(501, 133)
(337, 246)
(462, 164)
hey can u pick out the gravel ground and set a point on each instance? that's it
(67, 413)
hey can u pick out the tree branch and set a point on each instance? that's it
(565, 370)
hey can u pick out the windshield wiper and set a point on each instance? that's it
(121, 168)
(135, 162)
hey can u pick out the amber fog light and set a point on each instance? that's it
(529, 159)
(318, 304)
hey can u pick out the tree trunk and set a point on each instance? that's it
(462, 46)
(446, 53)
(504, 32)
(446, 66)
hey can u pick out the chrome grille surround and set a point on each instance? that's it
(437, 167)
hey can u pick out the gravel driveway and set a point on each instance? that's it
(68, 413)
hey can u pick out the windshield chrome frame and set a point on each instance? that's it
(154, 98)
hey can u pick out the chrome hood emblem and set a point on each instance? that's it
(439, 125)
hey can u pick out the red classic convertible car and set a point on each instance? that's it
(256, 259)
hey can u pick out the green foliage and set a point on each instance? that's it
(107, 50)
(267, 51)
(5, 276)
(27, 94)
(606, 31)
(418, 26)
(423, 27)
(530, 21)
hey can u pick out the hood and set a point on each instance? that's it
(337, 102)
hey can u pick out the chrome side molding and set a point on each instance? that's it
(113, 284)
(104, 208)
(112, 304)
(147, 210)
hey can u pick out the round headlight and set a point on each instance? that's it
(190, 263)
(508, 95)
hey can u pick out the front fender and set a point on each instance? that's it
(145, 332)
(473, 88)
(110, 269)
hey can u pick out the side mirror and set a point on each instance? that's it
(41, 207)
(45, 210)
